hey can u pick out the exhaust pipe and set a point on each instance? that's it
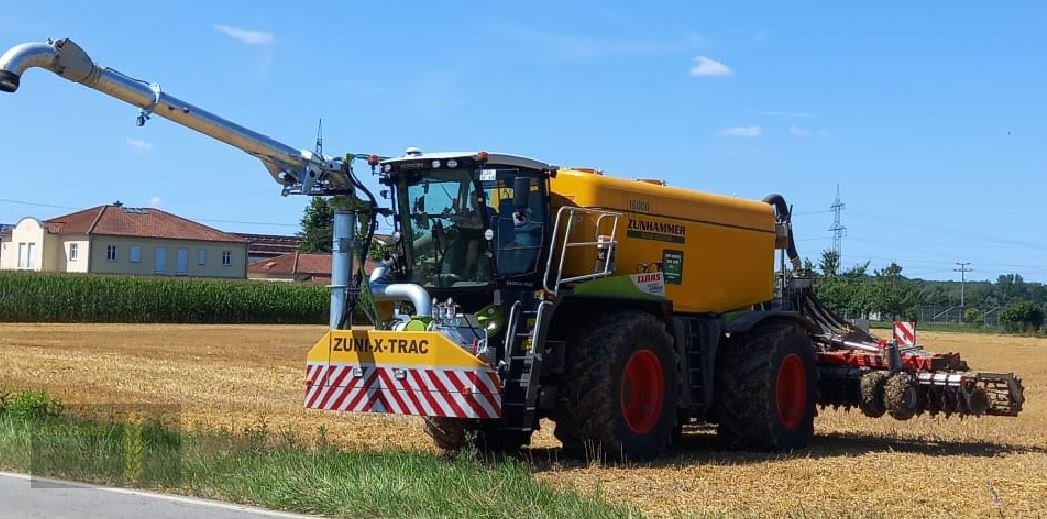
(299, 171)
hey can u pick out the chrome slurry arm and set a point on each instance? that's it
(299, 171)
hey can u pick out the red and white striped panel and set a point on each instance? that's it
(905, 333)
(405, 390)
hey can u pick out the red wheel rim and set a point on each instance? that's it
(642, 391)
(791, 390)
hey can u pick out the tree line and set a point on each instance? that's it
(886, 293)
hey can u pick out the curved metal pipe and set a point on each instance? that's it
(17, 59)
(382, 291)
(297, 170)
(784, 216)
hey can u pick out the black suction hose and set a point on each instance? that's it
(784, 216)
(358, 277)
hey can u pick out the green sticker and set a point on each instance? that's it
(672, 267)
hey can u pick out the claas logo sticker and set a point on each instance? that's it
(367, 345)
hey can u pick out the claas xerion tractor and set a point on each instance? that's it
(514, 290)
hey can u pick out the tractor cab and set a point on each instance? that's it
(467, 223)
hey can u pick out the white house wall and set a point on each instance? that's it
(83, 252)
(27, 230)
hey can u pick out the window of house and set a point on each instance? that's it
(135, 254)
(23, 256)
(29, 254)
(227, 258)
(110, 252)
(74, 251)
(201, 257)
(182, 261)
(160, 262)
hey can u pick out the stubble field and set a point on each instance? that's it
(244, 376)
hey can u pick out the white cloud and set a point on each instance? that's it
(778, 113)
(140, 145)
(796, 131)
(246, 36)
(154, 201)
(743, 131)
(704, 66)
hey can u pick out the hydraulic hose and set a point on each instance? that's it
(784, 216)
(358, 276)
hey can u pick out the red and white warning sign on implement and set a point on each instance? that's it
(406, 390)
(905, 333)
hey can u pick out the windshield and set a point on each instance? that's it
(444, 218)
(445, 224)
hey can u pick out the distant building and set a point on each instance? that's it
(295, 266)
(113, 239)
(5, 231)
(269, 246)
(309, 267)
(266, 246)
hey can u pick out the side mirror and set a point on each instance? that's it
(384, 194)
(521, 193)
(419, 205)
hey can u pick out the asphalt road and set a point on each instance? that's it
(22, 497)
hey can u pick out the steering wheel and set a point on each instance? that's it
(446, 280)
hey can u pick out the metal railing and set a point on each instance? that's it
(567, 217)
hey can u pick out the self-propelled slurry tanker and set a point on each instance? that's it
(622, 310)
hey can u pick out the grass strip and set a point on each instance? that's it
(276, 471)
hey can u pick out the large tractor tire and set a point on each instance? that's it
(451, 435)
(766, 388)
(620, 391)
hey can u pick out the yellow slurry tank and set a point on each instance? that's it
(716, 252)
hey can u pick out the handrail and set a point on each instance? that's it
(568, 226)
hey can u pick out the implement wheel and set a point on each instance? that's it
(901, 395)
(619, 395)
(872, 385)
(766, 388)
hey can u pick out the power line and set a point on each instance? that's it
(808, 213)
(36, 204)
(213, 220)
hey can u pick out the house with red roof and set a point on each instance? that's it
(114, 239)
(312, 267)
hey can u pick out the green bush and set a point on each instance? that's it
(26, 297)
(1022, 316)
(29, 404)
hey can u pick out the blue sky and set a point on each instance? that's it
(931, 116)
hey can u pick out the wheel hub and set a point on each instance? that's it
(642, 391)
(791, 390)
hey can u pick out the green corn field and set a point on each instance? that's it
(26, 297)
